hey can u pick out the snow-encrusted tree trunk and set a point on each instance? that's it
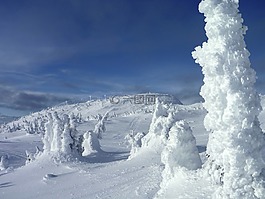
(236, 140)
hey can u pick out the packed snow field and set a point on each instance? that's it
(119, 168)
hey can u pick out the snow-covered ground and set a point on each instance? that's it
(108, 173)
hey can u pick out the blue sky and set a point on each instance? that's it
(56, 50)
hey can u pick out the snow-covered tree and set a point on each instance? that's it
(179, 154)
(236, 139)
(76, 145)
(56, 142)
(67, 141)
(100, 126)
(90, 143)
(48, 135)
(181, 150)
(163, 119)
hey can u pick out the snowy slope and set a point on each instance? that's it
(108, 174)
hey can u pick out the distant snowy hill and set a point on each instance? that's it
(106, 174)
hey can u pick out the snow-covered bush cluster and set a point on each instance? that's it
(90, 142)
(37, 126)
(236, 139)
(31, 126)
(61, 136)
(166, 130)
(30, 157)
(170, 137)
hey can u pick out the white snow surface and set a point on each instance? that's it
(108, 173)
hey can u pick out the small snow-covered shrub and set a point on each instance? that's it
(100, 126)
(4, 162)
(135, 141)
(90, 143)
(30, 157)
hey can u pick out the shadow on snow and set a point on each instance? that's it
(105, 157)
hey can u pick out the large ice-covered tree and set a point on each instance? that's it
(236, 140)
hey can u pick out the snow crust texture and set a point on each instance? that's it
(236, 139)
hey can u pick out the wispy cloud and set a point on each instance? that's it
(28, 101)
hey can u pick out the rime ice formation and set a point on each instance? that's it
(236, 139)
